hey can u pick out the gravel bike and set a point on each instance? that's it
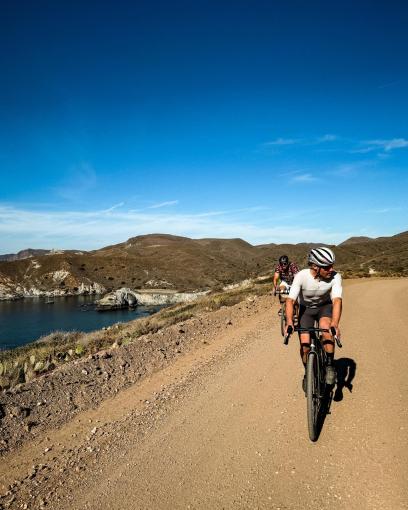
(280, 293)
(315, 374)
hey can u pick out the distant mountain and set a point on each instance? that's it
(354, 240)
(29, 252)
(24, 254)
(310, 246)
(162, 261)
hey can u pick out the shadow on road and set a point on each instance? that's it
(346, 370)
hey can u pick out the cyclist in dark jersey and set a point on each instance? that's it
(285, 271)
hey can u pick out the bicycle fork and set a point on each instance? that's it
(317, 372)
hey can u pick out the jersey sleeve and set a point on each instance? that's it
(295, 289)
(295, 269)
(277, 270)
(337, 289)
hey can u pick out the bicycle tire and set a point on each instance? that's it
(311, 394)
(283, 318)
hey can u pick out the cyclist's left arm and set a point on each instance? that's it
(276, 276)
(293, 295)
(337, 292)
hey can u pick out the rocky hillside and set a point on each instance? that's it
(160, 261)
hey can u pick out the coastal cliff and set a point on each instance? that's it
(124, 298)
(11, 292)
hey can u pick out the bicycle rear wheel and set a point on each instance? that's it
(312, 374)
(283, 318)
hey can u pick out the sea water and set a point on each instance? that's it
(26, 320)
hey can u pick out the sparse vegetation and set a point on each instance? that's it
(25, 363)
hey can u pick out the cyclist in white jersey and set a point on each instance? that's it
(320, 294)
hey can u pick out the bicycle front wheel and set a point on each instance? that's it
(283, 318)
(312, 374)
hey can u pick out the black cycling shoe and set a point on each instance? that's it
(280, 312)
(304, 384)
(331, 375)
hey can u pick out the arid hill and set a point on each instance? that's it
(164, 261)
(354, 240)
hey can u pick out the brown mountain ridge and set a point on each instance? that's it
(173, 262)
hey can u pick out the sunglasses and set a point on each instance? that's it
(326, 268)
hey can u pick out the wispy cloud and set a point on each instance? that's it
(374, 145)
(304, 178)
(346, 145)
(290, 173)
(163, 204)
(304, 141)
(114, 207)
(390, 84)
(385, 210)
(387, 145)
(21, 228)
(233, 211)
(344, 170)
(283, 141)
(362, 151)
(327, 138)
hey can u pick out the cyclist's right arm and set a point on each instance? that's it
(276, 277)
(293, 295)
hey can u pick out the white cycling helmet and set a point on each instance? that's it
(322, 256)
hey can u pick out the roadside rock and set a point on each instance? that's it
(124, 298)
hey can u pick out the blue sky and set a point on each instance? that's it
(269, 121)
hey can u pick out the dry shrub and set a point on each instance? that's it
(58, 337)
(61, 346)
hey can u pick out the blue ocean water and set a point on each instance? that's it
(26, 320)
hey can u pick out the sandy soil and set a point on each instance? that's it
(224, 426)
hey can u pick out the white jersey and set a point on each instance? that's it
(313, 292)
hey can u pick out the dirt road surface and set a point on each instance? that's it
(225, 427)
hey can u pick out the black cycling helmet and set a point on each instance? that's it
(284, 259)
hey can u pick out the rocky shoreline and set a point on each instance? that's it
(19, 292)
(126, 298)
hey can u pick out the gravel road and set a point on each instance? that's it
(225, 425)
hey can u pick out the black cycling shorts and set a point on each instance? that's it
(307, 316)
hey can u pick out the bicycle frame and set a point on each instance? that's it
(316, 347)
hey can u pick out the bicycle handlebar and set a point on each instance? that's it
(288, 333)
(333, 332)
(284, 291)
(310, 330)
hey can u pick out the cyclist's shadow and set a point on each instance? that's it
(346, 371)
